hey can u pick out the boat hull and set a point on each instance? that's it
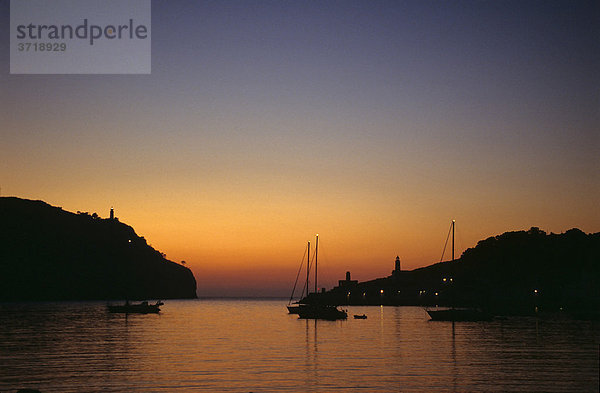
(135, 308)
(330, 313)
(293, 309)
(457, 315)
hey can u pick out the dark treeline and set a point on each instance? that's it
(513, 273)
(47, 253)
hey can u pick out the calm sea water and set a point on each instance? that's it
(254, 345)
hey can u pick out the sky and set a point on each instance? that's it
(371, 123)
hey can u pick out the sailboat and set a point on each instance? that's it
(293, 309)
(316, 310)
(458, 314)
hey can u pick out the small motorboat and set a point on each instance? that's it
(136, 308)
(363, 316)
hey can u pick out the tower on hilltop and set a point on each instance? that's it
(397, 269)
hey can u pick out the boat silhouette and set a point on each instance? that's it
(457, 314)
(460, 315)
(135, 308)
(311, 308)
(294, 308)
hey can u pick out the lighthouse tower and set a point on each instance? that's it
(396, 271)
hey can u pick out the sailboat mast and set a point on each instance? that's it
(453, 240)
(316, 255)
(307, 268)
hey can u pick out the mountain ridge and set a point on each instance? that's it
(517, 272)
(47, 253)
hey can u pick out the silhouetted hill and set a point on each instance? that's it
(47, 253)
(509, 273)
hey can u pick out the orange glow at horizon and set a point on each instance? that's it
(255, 248)
(372, 126)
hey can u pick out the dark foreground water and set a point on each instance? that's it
(254, 345)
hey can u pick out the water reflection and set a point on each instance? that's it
(455, 370)
(255, 346)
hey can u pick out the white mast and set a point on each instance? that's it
(316, 255)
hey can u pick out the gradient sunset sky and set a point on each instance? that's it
(372, 123)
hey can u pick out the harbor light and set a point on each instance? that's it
(381, 291)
